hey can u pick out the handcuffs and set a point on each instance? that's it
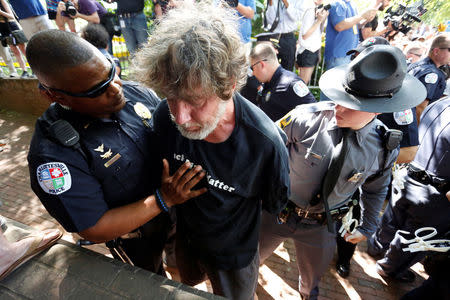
(419, 243)
(348, 223)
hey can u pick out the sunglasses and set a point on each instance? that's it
(251, 67)
(445, 48)
(93, 92)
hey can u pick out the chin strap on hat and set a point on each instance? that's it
(354, 92)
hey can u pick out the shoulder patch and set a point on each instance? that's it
(54, 178)
(285, 121)
(404, 117)
(431, 78)
(300, 89)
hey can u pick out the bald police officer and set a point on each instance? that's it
(283, 90)
(314, 132)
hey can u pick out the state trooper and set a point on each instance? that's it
(427, 70)
(93, 160)
(283, 90)
(406, 122)
(422, 202)
(314, 135)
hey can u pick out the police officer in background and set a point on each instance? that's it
(427, 70)
(92, 159)
(283, 90)
(282, 18)
(422, 202)
(348, 131)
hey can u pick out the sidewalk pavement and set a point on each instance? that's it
(278, 277)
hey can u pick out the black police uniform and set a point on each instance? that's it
(406, 122)
(282, 93)
(434, 79)
(115, 164)
(422, 202)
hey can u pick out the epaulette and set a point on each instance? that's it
(316, 107)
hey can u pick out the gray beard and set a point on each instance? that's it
(206, 129)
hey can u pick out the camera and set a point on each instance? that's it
(326, 7)
(402, 17)
(232, 3)
(70, 9)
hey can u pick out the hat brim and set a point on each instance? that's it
(412, 93)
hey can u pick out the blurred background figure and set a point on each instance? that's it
(310, 38)
(32, 16)
(13, 36)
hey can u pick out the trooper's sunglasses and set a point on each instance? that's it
(93, 92)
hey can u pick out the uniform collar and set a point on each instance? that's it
(362, 133)
(275, 78)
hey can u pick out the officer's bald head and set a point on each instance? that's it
(50, 52)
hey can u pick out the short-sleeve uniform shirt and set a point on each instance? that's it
(117, 162)
(431, 77)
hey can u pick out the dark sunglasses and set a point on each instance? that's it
(251, 67)
(445, 48)
(93, 92)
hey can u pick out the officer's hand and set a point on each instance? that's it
(448, 195)
(354, 238)
(176, 189)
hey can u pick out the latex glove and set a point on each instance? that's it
(355, 237)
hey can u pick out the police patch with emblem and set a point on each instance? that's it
(54, 178)
(431, 78)
(404, 117)
(300, 89)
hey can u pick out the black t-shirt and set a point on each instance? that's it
(251, 165)
(129, 6)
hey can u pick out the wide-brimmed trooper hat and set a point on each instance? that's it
(369, 42)
(375, 81)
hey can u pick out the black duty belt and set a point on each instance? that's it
(291, 208)
(422, 176)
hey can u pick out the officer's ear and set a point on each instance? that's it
(52, 96)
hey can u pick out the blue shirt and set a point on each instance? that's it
(432, 78)
(245, 24)
(118, 164)
(406, 122)
(27, 8)
(338, 43)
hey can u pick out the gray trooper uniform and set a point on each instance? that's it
(312, 135)
(422, 203)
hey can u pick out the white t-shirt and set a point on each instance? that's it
(313, 42)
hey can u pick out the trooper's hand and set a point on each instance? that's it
(177, 189)
(354, 238)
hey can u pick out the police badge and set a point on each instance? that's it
(143, 112)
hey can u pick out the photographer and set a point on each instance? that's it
(68, 11)
(369, 29)
(310, 38)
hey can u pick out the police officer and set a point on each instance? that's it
(423, 201)
(427, 70)
(406, 122)
(93, 160)
(283, 89)
(314, 131)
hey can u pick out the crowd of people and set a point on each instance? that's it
(221, 148)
